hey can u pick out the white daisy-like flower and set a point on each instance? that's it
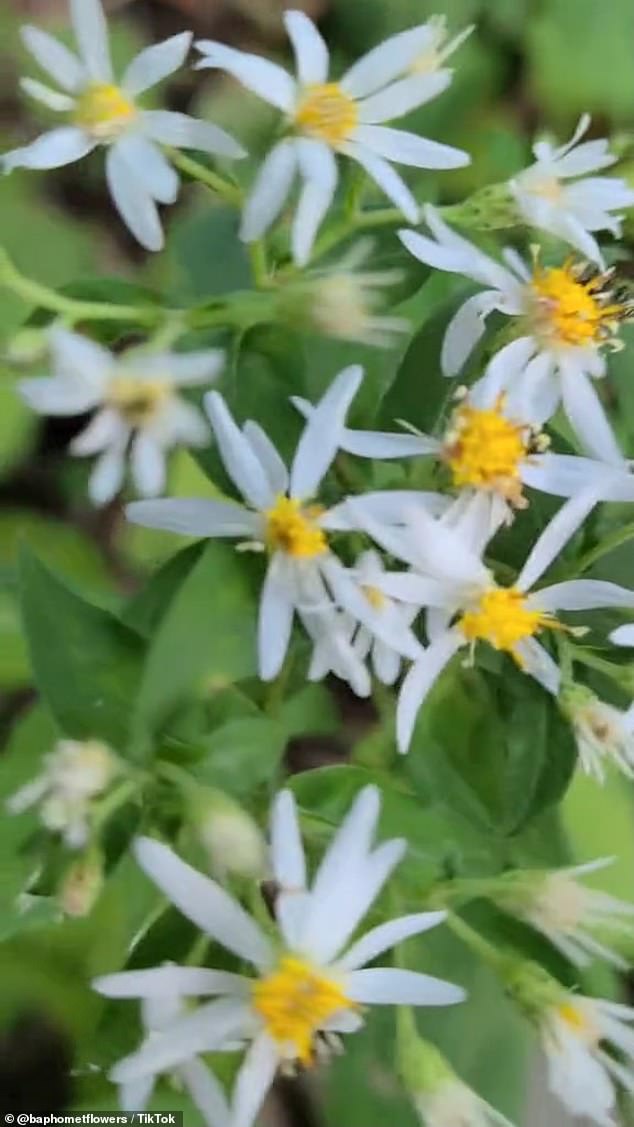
(304, 576)
(158, 1014)
(558, 193)
(326, 119)
(137, 401)
(101, 111)
(581, 1073)
(566, 316)
(566, 911)
(310, 983)
(467, 605)
(73, 775)
(604, 734)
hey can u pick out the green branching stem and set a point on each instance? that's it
(113, 801)
(476, 942)
(227, 191)
(610, 543)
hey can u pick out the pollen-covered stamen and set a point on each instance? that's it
(104, 111)
(485, 450)
(295, 1002)
(327, 113)
(138, 401)
(576, 305)
(502, 618)
(581, 1022)
(293, 529)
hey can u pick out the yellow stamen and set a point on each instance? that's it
(327, 113)
(293, 529)
(502, 618)
(580, 1021)
(572, 307)
(376, 598)
(138, 400)
(295, 1002)
(104, 110)
(485, 450)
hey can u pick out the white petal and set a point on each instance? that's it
(268, 457)
(207, 1093)
(287, 851)
(408, 148)
(54, 57)
(56, 396)
(537, 662)
(311, 53)
(275, 620)
(164, 982)
(386, 663)
(131, 199)
(91, 33)
(81, 358)
(387, 61)
(61, 103)
(387, 179)
(623, 636)
(150, 167)
(506, 367)
(419, 681)
(320, 439)
(537, 392)
(134, 1095)
(270, 191)
(402, 96)
(466, 328)
(182, 425)
(52, 150)
(589, 157)
(264, 78)
(582, 594)
(318, 168)
(102, 431)
(387, 935)
(384, 444)
(239, 460)
(194, 517)
(392, 986)
(351, 599)
(148, 465)
(185, 132)
(253, 1081)
(107, 477)
(555, 536)
(155, 63)
(587, 417)
(204, 902)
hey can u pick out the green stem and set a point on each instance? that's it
(117, 798)
(259, 266)
(615, 540)
(592, 661)
(478, 944)
(71, 309)
(181, 779)
(223, 188)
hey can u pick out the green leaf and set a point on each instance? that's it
(242, 754)
(145, 611)
(86, 663)
(17, 425)
(196, 271)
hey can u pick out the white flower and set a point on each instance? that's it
(557, 194)
(139, 406)
(567, 912)
(328, 118)
(454, 1104)
(580, 1071)
(309, 983)
(467, 606)
(73, 775)
(604, 734)
(101, 111)
(303, 577)
(566, 315)
(623, 635)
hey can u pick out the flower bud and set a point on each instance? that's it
(27, 347)
(602, 732)
(81, 884)
(228, 834)
(489, 209)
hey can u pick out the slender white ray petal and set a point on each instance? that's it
(238, 457)
(184, 132)
(623, 635)
(587, 417)
(320, 439)
(106, 478)
(351, 599)
(54, 149)
(54, 57)
(102, 430)
(91, 33)
(318, 167)
(147, 460)
(555, 536)
(264, 78)
(253, 1081)
(150, 166)
(204, 902)
(194, 517)
(392, 986)
(419, 681)
(565, 474)
(155, 63)
(163, 982)
(134, 1095)
(62, 103)
(386, 507)
(388, 61)
(81, 358)
(131, 199)
(386, 177)
(436, 254)
(206, 1092)
(506, 367)
(387, 935)
(311, 53)
(400, 97)
(582, 594)
(287, 851)
(465, 330)
(50, 396)
(386, 663)
(537, 662)
(275, 620)
(270, 191)
(184, 425)
(268, 456)
(408, 148)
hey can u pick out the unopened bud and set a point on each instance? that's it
(489, 209)
(27, 347)
(81, 884)
(229, 835)
(603, 733)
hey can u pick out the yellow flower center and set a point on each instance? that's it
(580, 1021)
(327, 113)
(138, 400)
(295, 1002)
(502, 619)
(571, 307)
(376, 598)
(548, 187)
(293, 529)
(485, 450)
(103, 110)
